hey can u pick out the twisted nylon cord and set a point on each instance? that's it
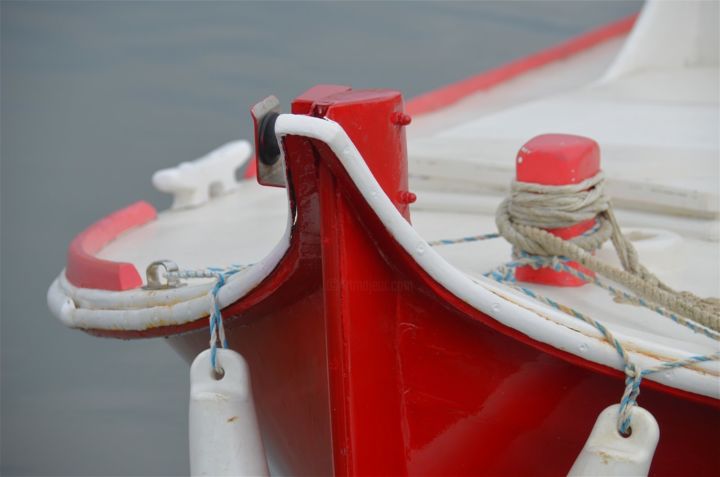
(619, 295)
(217, 329)
(633, 375)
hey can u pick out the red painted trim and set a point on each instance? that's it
(87, 271)
(452, 93)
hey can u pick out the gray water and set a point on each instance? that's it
(97, 96)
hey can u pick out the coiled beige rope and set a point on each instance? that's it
(531, 208)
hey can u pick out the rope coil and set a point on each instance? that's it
(531, 208)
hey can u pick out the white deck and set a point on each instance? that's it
(237, 228)
(551, 79)
(658, 132)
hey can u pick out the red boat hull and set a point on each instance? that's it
(363, 365)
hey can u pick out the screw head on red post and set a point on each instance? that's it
(400, 119)
(558, 159)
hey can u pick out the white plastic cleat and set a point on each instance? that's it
(607, 453)
(224, 435)
(194, 183)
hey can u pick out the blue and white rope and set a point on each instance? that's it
(473, 238)
(633, 378)
(560, 264)
(633, 375)
(217, 329)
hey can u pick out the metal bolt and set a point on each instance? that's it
(400, 119)
(406, 197)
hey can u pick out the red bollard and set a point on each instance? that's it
(558, 159)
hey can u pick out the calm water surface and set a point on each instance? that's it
(97, 96)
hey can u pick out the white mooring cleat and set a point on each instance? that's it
(194, 183)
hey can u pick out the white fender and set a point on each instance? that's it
(194, 183)
(224, 434)
(607, 453)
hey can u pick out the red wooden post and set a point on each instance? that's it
(558, 159)
(375, 122)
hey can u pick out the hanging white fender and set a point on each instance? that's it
(607, 453)
(224, 434)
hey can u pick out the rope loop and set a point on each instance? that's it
(217, 329)
(633, 379)
(531, 208)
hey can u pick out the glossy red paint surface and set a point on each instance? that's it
(87, 271)
(305, 102)
(369, 117)
(361, 298)
(558, 159)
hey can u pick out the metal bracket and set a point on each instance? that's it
(270, 164)
(160, 270)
